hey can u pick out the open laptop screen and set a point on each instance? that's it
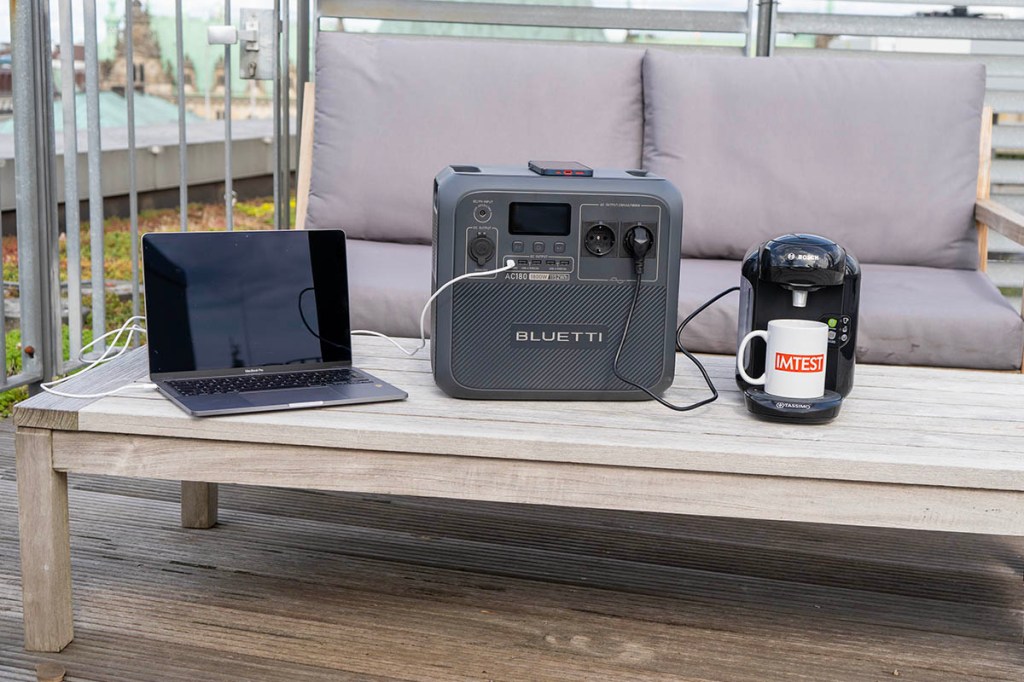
(221, 300)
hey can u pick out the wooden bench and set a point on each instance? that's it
(927, 449)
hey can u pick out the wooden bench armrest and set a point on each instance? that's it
(1000, 218)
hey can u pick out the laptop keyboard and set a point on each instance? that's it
(264, 382)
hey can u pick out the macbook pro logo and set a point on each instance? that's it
(253, 370)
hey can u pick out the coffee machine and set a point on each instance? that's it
(808, 277)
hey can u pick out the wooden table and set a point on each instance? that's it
(920, 448)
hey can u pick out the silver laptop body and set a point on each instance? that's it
(252, 321)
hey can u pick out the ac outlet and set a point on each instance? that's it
(601, 239)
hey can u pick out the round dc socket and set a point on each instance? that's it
(482, 213)
(481, 249)
(599, 239)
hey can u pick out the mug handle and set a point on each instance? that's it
(739, 357)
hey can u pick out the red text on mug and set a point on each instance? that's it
(786, 362)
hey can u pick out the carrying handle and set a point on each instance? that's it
(739, 357)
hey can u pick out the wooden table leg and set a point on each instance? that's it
(198, 504)
(45, 543)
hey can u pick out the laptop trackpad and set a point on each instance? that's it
(290, 396)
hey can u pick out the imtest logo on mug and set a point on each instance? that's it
(786, 362)
(794, 358)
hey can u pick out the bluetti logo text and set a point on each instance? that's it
(586, 335)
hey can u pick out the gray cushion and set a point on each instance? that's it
(392, 112)
(879, 155)
(909, 316)
(931, 316)
(388, 284)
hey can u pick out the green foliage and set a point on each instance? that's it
(8, 399)
(118, 310)
(262, 211)
(13, 343)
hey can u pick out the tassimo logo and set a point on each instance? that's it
(785, 362)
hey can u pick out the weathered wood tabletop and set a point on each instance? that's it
(921, 448)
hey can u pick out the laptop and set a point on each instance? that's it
(252, 321)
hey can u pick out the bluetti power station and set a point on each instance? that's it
(550, 327)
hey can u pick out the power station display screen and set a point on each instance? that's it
(549, 220)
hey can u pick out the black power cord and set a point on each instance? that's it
(704, 306)
(639, 244)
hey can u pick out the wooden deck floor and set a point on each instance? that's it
(299, 586)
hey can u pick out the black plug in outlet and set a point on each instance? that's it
(628, 228)
(638, 242)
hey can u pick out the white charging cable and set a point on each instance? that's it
(112, 352)
(509, 264)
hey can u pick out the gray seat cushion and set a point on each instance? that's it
(388, 284)
(908, 316)
(392, 112)
(879, 155)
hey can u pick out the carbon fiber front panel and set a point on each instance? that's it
(487, 315)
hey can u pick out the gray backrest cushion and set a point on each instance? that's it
(392, 112)
(879, 155)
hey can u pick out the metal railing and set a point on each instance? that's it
(36, 184)
(756, 27)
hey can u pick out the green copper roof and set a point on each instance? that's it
(149, 111)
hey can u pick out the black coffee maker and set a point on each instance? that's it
(804, 277)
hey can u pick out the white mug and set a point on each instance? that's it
(795, 360)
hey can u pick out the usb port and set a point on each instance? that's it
(522, 262)
(564, 263)
(536, 263)
(550, 262)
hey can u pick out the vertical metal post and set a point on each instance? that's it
(286, 116)
(766, 27)
(133, 191)
(92, 110)
(72, 217)
(283, 102)
(750, 48)
(277, 116)
(229, 190)
(182, 146)
(302, 66)
(35, 179)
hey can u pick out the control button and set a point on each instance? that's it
(831, 335)
(844, 337)
(538, 247)
(518, 247)
(481, 249)
(832, 322)
(845, 319)
(559, 247)
(845, 329)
